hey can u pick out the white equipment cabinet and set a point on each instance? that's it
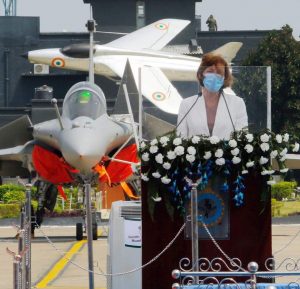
(124, 245)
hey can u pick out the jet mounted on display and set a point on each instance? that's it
(82, 135)
(142, 49)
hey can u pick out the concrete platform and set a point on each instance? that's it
(45, 256)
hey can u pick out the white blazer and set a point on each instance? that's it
(195, 122)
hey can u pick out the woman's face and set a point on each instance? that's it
(216, 68)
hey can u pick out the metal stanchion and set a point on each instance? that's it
(17, 278)
(87, 188)
(21, 245)
(194, 227)
(27, 238)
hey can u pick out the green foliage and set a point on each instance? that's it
(282, 52)
(9, 187)
(9, 210)
(283, 190)
(276, 206)
(14, 197)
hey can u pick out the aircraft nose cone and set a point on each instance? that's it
(25, 55)
(81, 149)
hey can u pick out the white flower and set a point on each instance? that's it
(282, 159)
(235, 152)
(190, 158)
(250, 164)
(286, 137)
(142, 145)
(154, 142)
(144, 177)
(159, 158)
(156, 198)
(284, 170)
(271, 182)
(145, 157)
(153, 149)
(264, 147)
(165, 180)
(220, 161)
(263, 160)
(283, 152)
(171, 155)
(156, 175)
(264, 137)
(244, 172)
(207, 155)
(195, 139)
(278, 138)
(219, 153)
(236, 160)
(248, 148)
(179, 150)
(214, 139)
(177, 141)
(249, 137)
(267, 172)
(164, 140)
(296, 147)
(191, 150)
(232, 143)
(166, 166)
(274, 154)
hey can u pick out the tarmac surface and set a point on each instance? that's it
(51, 270)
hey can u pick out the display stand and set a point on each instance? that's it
(249, 236)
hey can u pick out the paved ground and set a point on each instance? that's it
(286, 238)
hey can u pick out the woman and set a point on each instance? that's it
(212, 112)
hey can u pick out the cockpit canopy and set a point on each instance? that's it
(84, 99)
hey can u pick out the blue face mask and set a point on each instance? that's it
(213, 82)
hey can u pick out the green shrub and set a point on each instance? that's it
(9, 187)
(14, 197)
(9, 210)
(276, 206)
(283, 190)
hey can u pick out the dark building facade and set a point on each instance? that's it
(18, 35)
(127, 16)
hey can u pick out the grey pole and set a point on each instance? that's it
(21, 247)
(269, 91)
(89, 234)
(91, 28)
(194, 226)
(28, 237)
(17, 282)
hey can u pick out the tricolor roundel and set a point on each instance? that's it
(159, 96)
(57, 62)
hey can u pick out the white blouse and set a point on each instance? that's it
(195, 122)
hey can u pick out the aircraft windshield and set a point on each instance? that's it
(84, 102)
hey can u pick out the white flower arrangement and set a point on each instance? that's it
(169, 157)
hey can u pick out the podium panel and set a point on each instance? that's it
(250, 236)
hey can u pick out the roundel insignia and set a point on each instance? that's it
(210, 208)
(57, 62)
(161, 26)
(159, 96)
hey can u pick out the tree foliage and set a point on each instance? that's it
(282, 52)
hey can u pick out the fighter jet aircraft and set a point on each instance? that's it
(77, 141)
(141, 48)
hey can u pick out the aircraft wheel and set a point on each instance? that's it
(79, 231)
(95, 233)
